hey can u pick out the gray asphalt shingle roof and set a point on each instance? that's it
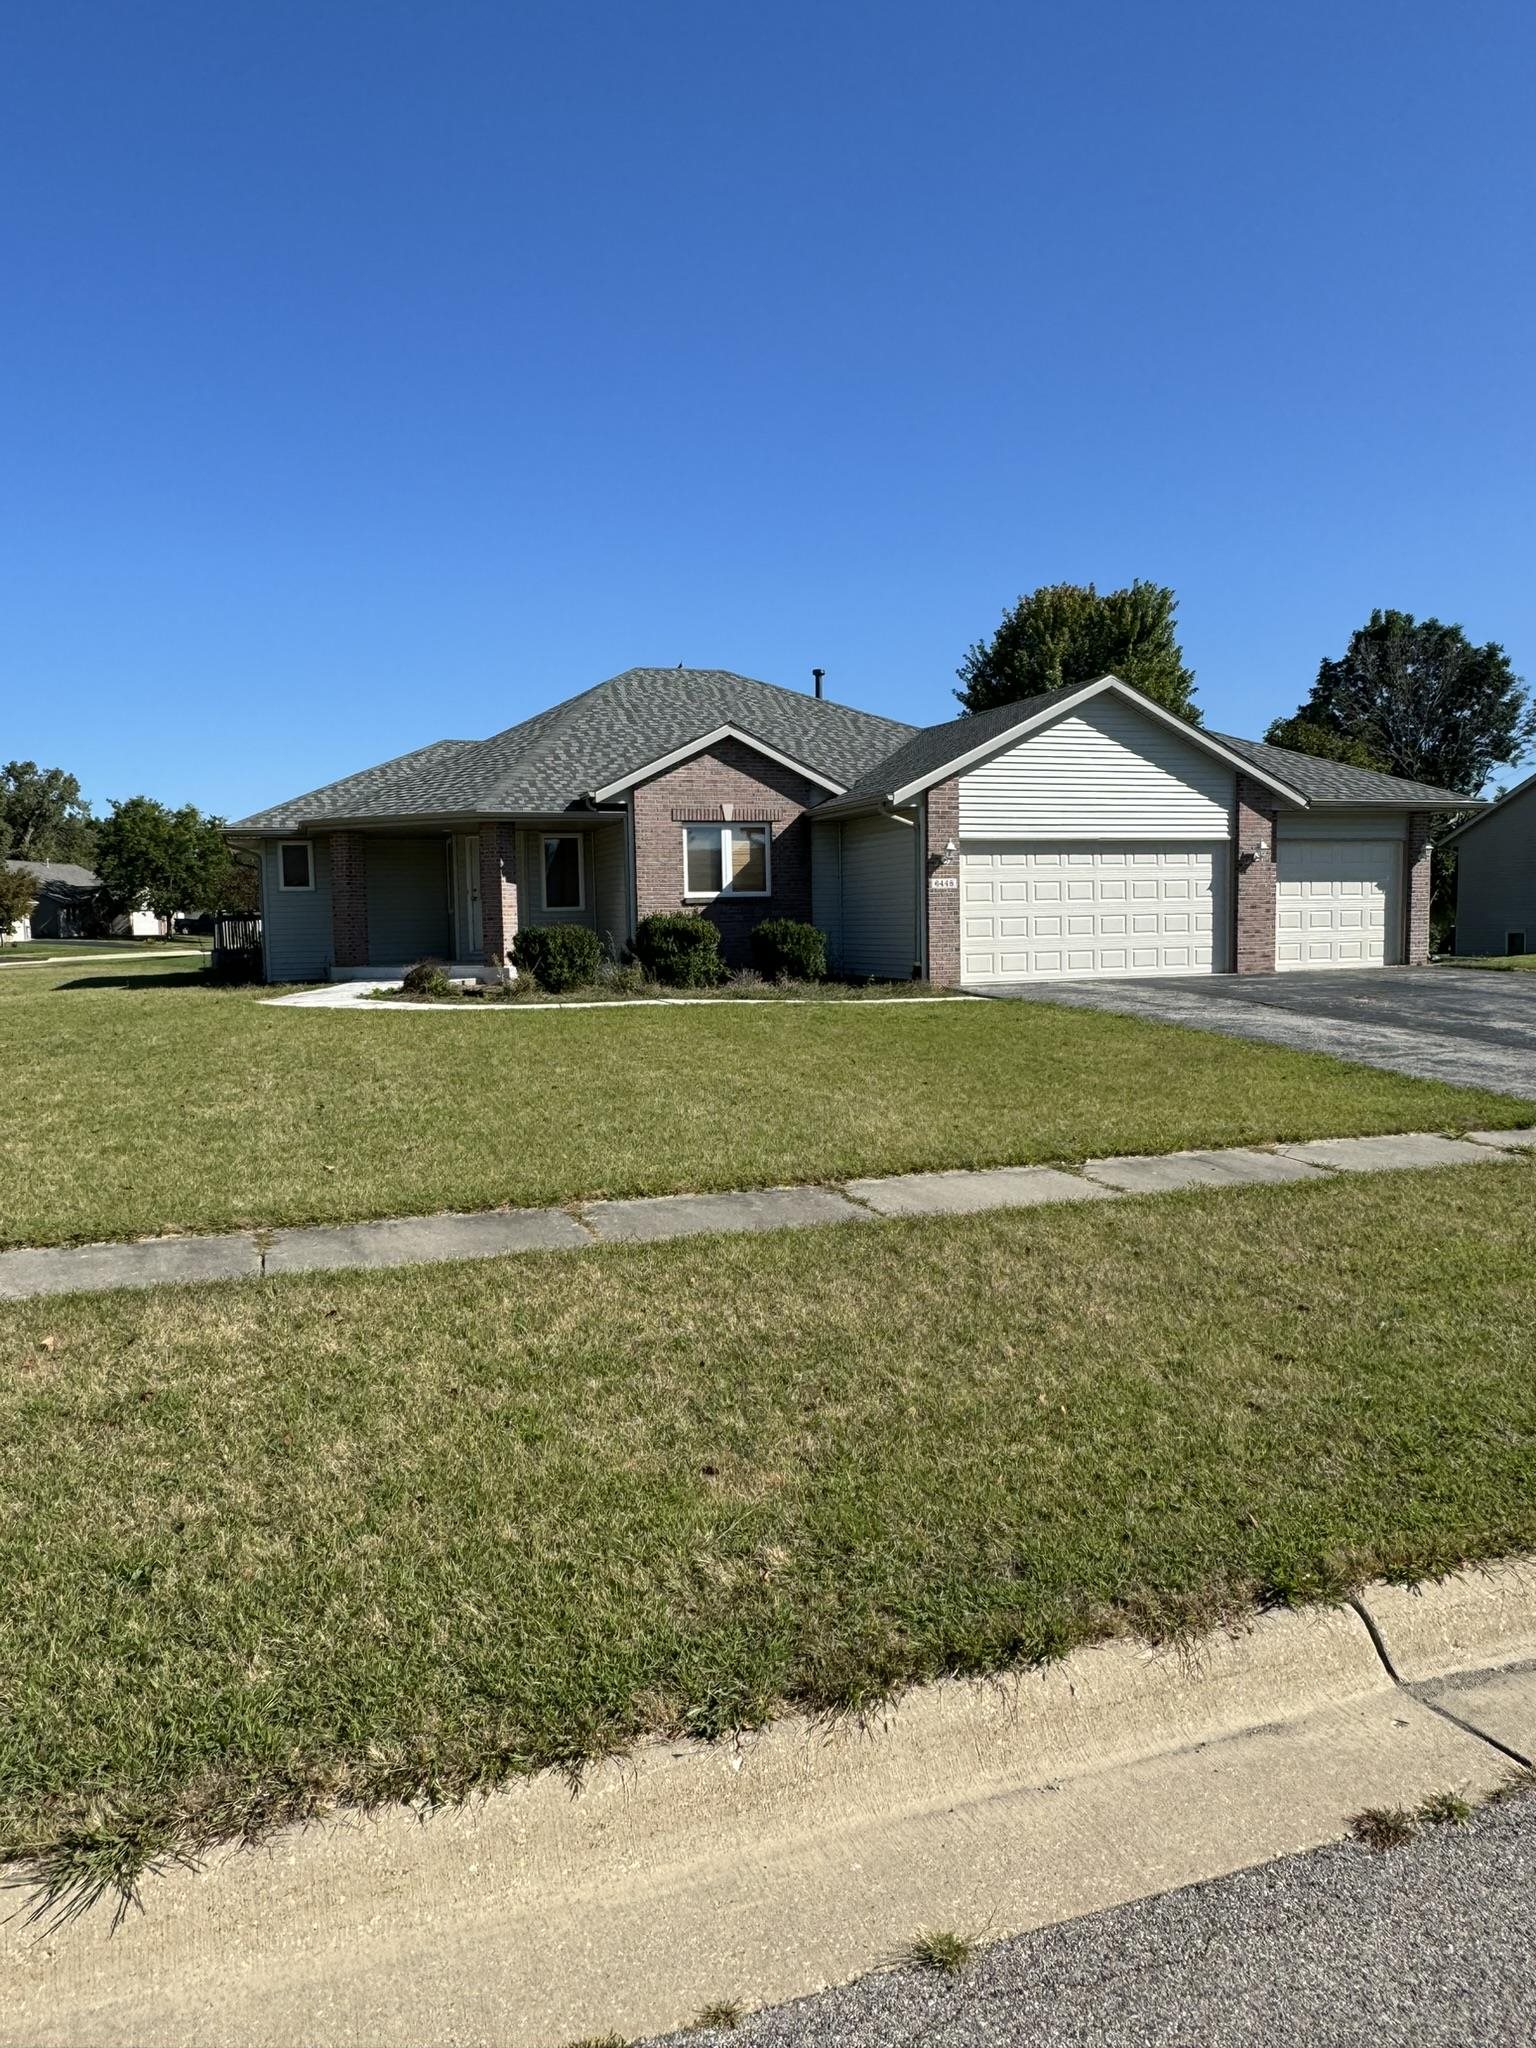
(933, 747)
(1336, 782)
(550, 762)
(62, 874)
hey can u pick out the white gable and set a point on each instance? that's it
(1107, 771)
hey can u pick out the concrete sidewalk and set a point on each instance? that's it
(430, 1240)
(807, 1854)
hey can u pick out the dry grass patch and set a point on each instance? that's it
(271, 1547)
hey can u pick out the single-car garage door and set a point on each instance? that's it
(1042, 908)
(1337, 902)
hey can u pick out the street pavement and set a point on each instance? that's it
(1344, 1947)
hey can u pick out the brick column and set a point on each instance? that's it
(1418, 861)
(349, 899)
(498, 893)
(941, 907)
(1255, 879)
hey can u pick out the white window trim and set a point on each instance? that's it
(725, 831)
(581, 871)
(286, 887)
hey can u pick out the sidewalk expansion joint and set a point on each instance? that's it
(1421, 1692)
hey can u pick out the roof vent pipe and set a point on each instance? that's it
(817, 674)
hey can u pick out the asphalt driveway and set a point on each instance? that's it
(1465, 1025)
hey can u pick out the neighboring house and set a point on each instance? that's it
(1083, 832)
(69, 907)
(1496, 875)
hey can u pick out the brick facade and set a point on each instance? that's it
(941, 808)
(1418, 859)
(498, 893)
(1254, 880)
(730, 777)
(349, 899)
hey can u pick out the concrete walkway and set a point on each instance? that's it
(370, 995)
(806, 1854)
(428, 1240)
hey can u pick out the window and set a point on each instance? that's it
(725, 860)
(562, 871)
(1514, 942)
(295, 864)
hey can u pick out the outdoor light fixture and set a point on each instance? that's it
(949, 850)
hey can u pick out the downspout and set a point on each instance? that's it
(266, 923)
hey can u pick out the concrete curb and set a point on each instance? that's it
(798, 1857)
(1469, 1622)
(492, 1233)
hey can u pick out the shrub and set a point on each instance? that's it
(558, 956)
(427, 978)
(783, 948)
(680, 949)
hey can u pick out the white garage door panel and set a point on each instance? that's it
(1039, 908)
(1336, 902)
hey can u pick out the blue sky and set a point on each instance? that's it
(375, 373)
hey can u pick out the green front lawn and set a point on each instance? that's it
(70, 949)
(357, 1537)
(146, 1099)
(1518, 962)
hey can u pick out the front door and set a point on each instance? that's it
(464, 895)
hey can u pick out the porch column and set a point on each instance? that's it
(941, 907)
(349, 899)
(498, 893)
(1254, 882)
(1418, 877)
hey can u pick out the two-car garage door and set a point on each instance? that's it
(1044, 908)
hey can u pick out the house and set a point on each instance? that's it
(1083, 832)
(1496, 875)
(69, 906)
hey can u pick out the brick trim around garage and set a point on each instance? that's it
(1418, 871)
(1254, 880)
(941, 813)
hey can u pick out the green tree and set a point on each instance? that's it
(167, 861)
(44, 814)
(1067, 633)
(18, 894)
(1420, 701)
(1303, 737)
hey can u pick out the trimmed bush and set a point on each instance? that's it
(427, 978)
(679, 949)
(558, 956)
(783, 949)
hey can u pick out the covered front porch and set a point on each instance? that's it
(462, 896)
(366, 903)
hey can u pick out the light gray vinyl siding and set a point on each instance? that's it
(609, 886)
(296, 923)
(530, 889)
(1496, 878)
(407, 899)
(1343, 824)
(1107, 771)
(827, 888)
(879, 898)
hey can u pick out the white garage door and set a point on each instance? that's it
(1336, 902)
(1039, 908)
